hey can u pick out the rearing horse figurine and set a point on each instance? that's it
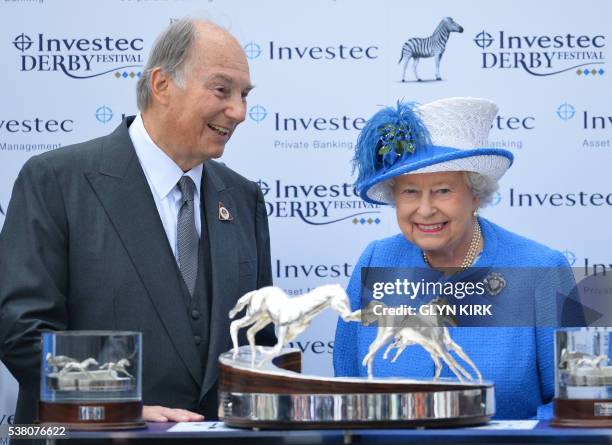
(291, 316)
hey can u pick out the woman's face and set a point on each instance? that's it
(434, 210)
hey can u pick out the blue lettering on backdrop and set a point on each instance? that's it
(312, 270)
(340, 51)
(314, 347)
(596, 122)
(317, 123)
(543, 55)
(100, 44)
(337, 204)
(514, 123)
(81, 58)
(542, 199)
(596, 268)
(7, 419)
(37, 125)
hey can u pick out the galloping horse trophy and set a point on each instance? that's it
(263, 387)
(291, 316)
(426, 331)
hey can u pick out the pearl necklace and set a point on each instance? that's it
(470, 256)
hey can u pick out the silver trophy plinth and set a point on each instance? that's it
(261, 387)
(277, 396)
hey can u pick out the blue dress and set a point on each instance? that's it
(519, 360)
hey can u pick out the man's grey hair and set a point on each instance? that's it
(170, 53)
(481, 186)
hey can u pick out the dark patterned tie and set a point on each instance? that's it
(187, 239)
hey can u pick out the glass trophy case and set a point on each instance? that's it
(91, 379)
(583, 377)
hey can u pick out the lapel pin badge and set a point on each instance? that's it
(224, 214)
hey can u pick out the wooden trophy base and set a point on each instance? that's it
(277, 396)
(88, 416)
(582, 413)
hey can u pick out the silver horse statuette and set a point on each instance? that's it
(572, 360)
(426, 331)
(279, 395)
(89, 368)
(67, 365)
(291, 316)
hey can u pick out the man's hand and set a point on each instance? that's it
(163, 414)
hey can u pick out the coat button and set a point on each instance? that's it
(197, 339)
(195, 314)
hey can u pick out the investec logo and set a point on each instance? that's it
(596, 124)
(36, 125)
(287, 52)
(293, 123)
(291, 130)
(521, 198)
(593, 268)
(543, 55)
(589, 119)
(318, 204)
(80, 58)
(321, 270)
(511, 128)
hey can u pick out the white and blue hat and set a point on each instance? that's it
(445, 135)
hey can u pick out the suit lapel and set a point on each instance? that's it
(224, 267)
(122, 188)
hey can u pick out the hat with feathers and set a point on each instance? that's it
(445, 135)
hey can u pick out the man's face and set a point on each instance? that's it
(205, 111)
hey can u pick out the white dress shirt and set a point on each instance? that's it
(163, 174)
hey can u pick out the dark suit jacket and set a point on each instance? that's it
(83, 247)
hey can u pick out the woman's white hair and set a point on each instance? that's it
(481, 186)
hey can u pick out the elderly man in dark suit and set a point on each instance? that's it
(141, 230)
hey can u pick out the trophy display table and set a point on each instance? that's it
(217, 433)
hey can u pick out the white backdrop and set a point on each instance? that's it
(321, 67)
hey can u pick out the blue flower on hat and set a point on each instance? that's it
(387, 139)
(395, 140)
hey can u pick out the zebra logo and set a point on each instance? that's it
(432, 46)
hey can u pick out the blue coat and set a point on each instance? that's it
(519, 360)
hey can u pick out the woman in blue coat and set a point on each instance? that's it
(430, 163)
